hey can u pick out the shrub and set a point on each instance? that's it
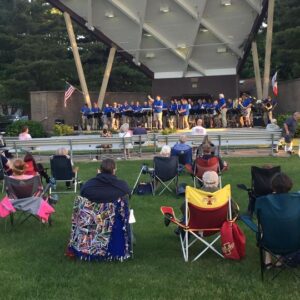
(36, 129)
(62, 129)
(167, 131)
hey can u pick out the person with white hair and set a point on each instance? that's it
(210, 181)
(183, 151)
(165, 151)
(125, 133)
(199, 129)
(223, 109)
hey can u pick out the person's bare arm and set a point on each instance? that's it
(150, 98)
(286, 128)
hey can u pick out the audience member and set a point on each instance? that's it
(289, 130)
(24, 135)
(165, 151)
(207, 154)
(6, 164)
(32, 168)
(139, 129)
(105, 187)
(125, 132)
(199, 129)
(183, 151)
(18, 170)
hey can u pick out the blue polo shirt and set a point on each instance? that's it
(186, 108)
(156, 105)
(247, 102)
(95, 109)
(174, 107)
(85, 110)
(222, 102)
(107, 110)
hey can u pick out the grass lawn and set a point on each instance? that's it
(33, 266)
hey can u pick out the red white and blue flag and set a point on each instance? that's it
(69, 90)
(274, 84)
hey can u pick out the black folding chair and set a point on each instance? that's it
(165, 172)
(2, 174)
(17, 190)
(260, 184)
(62, 170)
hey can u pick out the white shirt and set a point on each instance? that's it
(198, 130)
(24, 136)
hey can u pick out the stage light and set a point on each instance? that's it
(203, 29)
(164, 9)
(109, 14)
(226, 2)
(147, 34)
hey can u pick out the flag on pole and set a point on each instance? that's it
(274, 84)
(69, 90)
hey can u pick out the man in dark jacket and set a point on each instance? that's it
(105, 187)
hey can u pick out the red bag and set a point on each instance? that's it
(233, 241)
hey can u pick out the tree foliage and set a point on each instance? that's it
(35, 54)
(286, 42)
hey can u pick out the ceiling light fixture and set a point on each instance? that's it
(109, 14)
(150, 55)
(226, 2)
(181, 46)
(164, 9)
(221, 50)
(203, 29)
(147, 34)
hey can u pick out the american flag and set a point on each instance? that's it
(69, 90)
(274, 84)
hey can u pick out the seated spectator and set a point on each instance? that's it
(24, 135)
(6, 164)
(281, 184)
(183, 151)
(165, 151)
(205, 141)
(105, 133)
(65, 152)
(125, 132)
(210, 181)
(18, 170)
(105, 187)
(100, 222)
(207, 154)
(139, 129)
(199, 129)
(32, 168)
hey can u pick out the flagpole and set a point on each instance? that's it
(74, 87)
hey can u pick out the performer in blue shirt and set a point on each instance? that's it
(184, 113)
(95, 120)
(173, 112)
(157, 110)
(116, 114)
(246, 105)
(223, 109)
(85, 111)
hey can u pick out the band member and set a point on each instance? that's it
(116, 115)
(107, 115)
(137, 115)
(95, 120)
(246, 104)
(85, 111)
(157, 110)
(216, 115)
(125, 108)
(165, 115)
(147, 115)
(223, 109)
(184, 113)
(194, 113)
(268, 105)
(173, 111)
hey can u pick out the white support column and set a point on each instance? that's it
(77, 59)
(106, 75)
(256, 70)
(268, 48)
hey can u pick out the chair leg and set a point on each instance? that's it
(262, 264)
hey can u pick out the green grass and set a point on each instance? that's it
(33, 266)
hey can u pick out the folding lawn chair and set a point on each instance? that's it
(26, 196)
(203, 165)
(165, 172)
(277, 231)
(100, 231)
(260, 184)
(204, 215)
(184, 156)
(2, 174)
(62, 170)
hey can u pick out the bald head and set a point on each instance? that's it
(199, 122)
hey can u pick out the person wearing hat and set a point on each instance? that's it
(124, 133)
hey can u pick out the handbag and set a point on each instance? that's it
(233, 241)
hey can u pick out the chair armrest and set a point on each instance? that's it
(168, 212)
(249, 222)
